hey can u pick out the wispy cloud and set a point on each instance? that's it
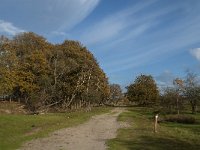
(112, 26)
(158, 40)
(59, 33)
(196, 53)
(77, 11)
(152, 53)
(47, 16)
(103, 31)
(9, 28)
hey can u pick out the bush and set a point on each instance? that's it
(180, 119)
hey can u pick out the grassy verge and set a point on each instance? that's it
(140, 135)
(16, 129)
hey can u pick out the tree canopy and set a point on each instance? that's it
(143, 91)
(191, 90)
(45, 75)
(115, 93)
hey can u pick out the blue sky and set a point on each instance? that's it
(128, 37)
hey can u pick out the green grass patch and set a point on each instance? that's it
(17, 129)
(140, 135)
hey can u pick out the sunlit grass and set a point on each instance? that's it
(141, 136)
(16, 129)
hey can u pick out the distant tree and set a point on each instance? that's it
(168, 100)
(178, 90)
(143, 91)
(192, 90)
(115, 93)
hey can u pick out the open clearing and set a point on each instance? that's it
(91, 135)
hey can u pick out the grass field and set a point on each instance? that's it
(16, 129)
(140, 135)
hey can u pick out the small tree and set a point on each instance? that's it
(192, 90)
(168, 100)
(143, 91)
(178, 89)
(115, 93)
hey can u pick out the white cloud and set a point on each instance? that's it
(75, 11)
(103, 31)
(47, 16)
(127, 24)
(196, 53)
(59, 33)
(112, 26)
(160, 44)
(9, 28)
(150, 54)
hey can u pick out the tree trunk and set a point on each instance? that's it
(194, 109)
(55, 72)
(177, 105)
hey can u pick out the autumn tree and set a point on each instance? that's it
(26, 65)
(77, 76)
(44, 76)
(7, 67)
(143, 91)
(115, 93)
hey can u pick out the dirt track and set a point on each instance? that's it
(88, 136)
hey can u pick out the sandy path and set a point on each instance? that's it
(88, 136)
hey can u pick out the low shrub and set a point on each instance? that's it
(180, 119)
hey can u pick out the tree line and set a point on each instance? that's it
(47, 76)
(184, 94)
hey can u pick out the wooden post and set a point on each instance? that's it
(155, 123)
